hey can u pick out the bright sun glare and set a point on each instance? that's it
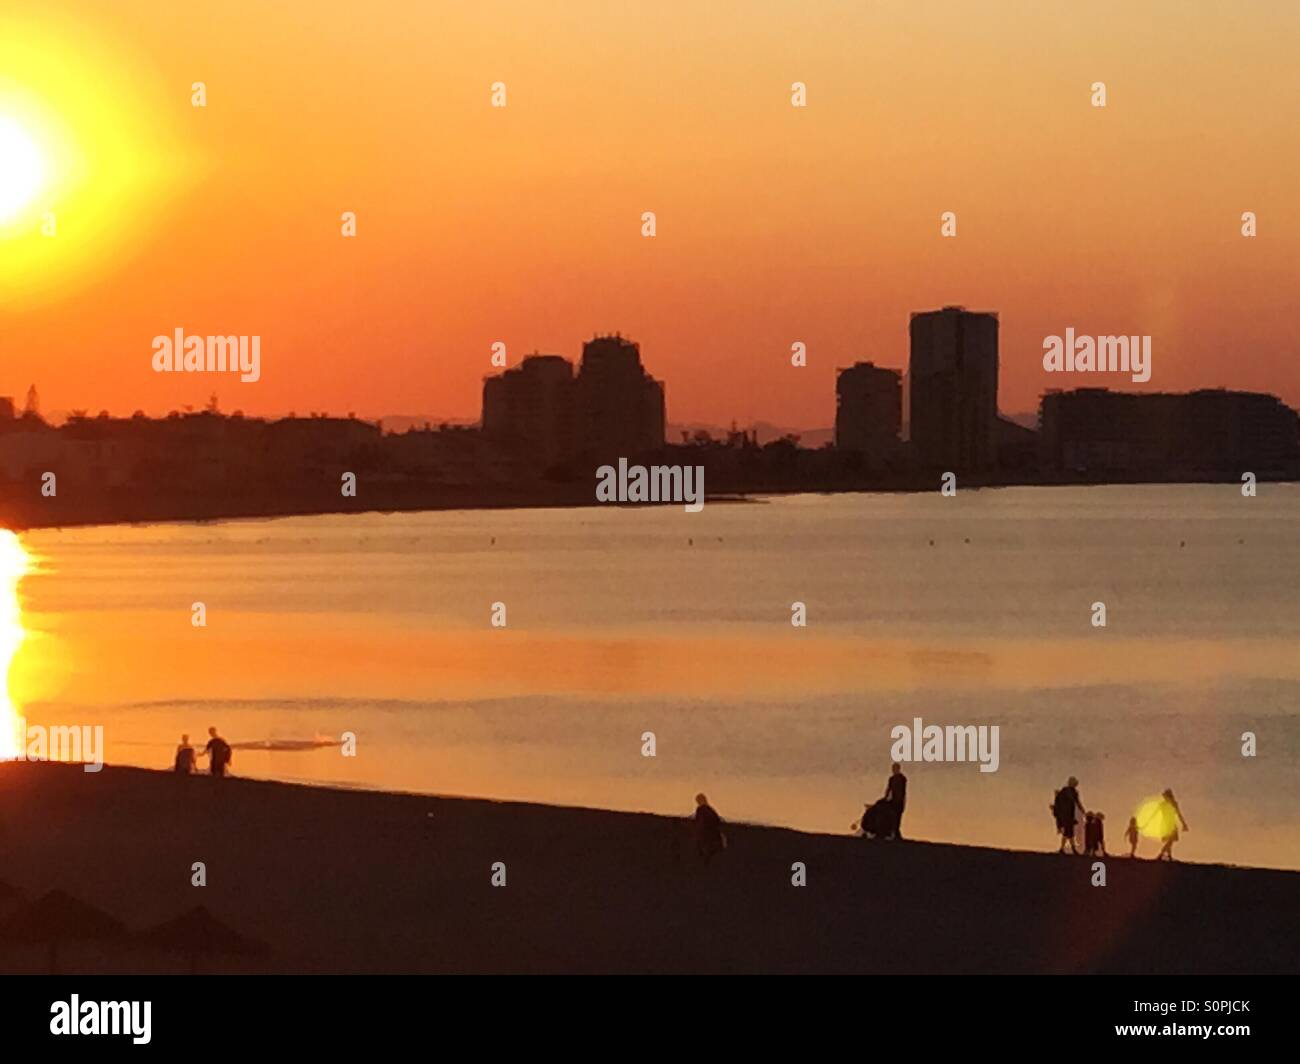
(22, 171)
(13, 566)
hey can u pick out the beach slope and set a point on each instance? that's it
(357, 881)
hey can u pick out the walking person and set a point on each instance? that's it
(184, 764)
(1131, 836)
(1094, 835)
(1066, 808)
(1170, 817)
(709, 838)
(896, 796)
(219, 753)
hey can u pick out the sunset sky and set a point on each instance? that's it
(522, 224)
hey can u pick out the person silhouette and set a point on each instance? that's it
(1089, 834)
(219, 752)
(896, 796)
(1094, 834)
(1065, 808)
(709, 838)
(1131, 835)
(1173, 816)
(184, 764)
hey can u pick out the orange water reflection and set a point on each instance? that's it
(14, 563)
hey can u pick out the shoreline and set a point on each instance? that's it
(109, 511)
(348, 879)
(377, 789)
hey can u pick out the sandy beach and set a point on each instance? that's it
(335, 880)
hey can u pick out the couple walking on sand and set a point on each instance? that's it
(217, 749)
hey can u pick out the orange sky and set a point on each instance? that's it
(522, 224)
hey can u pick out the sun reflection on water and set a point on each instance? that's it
(14, 562)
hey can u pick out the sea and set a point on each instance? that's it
(764, 652)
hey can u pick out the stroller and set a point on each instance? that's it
(878, 820)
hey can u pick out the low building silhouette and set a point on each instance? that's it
(1017, 446)
(1096, 431)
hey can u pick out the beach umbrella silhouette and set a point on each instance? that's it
(57, 917)
(200, 934)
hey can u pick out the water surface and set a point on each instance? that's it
(620, 621)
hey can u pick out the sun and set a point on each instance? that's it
(22, 170)
(92, 156)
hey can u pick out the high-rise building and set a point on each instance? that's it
(620, 407)
(610, 408)
(953, 381)
(868, 407)
(532, 406)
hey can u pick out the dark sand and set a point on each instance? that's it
(356, 881)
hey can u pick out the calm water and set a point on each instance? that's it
(623, 621)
